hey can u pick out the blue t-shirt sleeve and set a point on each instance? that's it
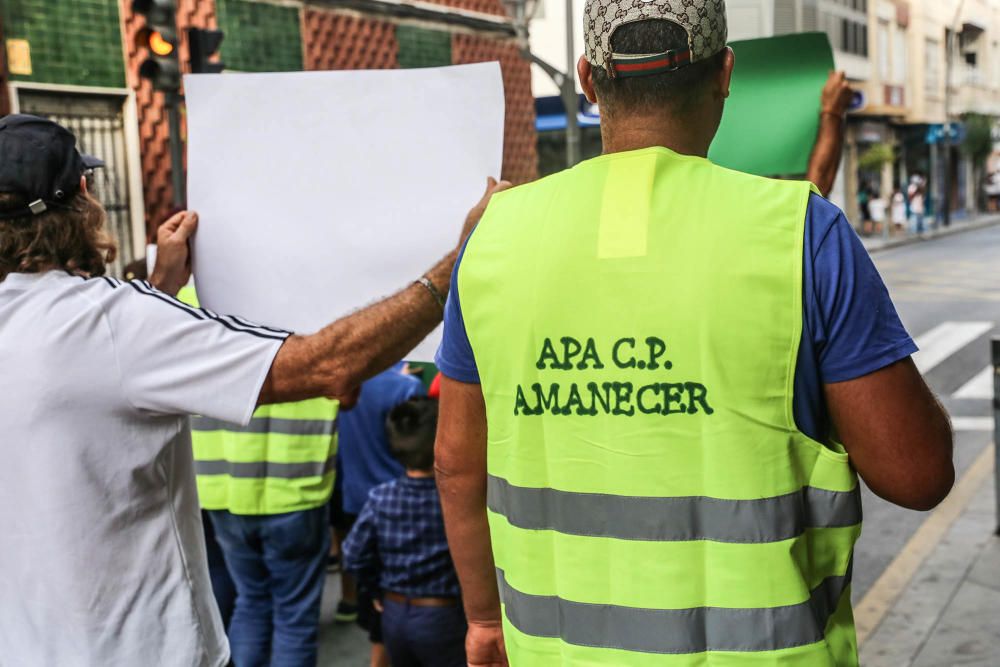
(454, 356)
(851, 319)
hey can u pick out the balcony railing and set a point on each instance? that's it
(972, 76)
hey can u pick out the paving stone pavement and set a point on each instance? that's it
(339, 645)
(875, 243)
(950, 612)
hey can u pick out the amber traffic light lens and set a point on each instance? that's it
(159, 45)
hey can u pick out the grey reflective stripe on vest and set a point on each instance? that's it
(269, 425)
(674, 519)
(674, 630)
(261, 469)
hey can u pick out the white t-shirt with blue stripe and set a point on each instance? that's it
(102, 558)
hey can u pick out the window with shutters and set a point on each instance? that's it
(810, 17)
(899, 56)
(784, 17)
(882, 40)
(932, 65)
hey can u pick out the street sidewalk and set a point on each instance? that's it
(340, 645)
(938, 603)
(876, 243)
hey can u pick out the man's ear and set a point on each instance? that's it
(83, 184)
(726, 75)
(586, 73)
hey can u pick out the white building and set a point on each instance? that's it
(894, 51)
(548, 40)
(846, 21)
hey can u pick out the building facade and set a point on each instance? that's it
(896, 52)
(922, 66)
(78, 62)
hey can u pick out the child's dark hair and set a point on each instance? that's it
(411, 427)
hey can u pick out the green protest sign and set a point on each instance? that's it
(772, 116)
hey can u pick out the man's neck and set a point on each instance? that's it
(640, 132)
(419, 474)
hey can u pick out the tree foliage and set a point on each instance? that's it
(978, 143)
(876, 156)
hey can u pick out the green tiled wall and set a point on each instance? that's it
(423, 48)
(75, 42)
(260, 37)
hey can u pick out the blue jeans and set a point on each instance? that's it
(424, 636)
(278, 564)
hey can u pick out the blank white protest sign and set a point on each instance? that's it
(321, 192)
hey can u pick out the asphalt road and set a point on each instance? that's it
(947, 292)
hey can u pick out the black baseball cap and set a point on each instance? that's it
(39, 161)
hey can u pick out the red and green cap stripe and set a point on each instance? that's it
(623, 65)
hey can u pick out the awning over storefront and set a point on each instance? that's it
(550, 116)
(938, 133)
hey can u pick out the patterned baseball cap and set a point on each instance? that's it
(703, 20)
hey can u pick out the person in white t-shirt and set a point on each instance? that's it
(916, 198)
(102, 556)
(877, 208)
(898, 210)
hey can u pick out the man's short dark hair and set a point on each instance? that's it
(678, 91)
(411, 427)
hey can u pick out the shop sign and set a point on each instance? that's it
(895, 96)
(939, 133)
(19, 57)
(872, 133)
(858, 101)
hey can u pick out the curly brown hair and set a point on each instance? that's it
(72, 238)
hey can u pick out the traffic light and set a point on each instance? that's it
(159, 37)
(203, 45)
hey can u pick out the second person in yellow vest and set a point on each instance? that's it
(265, 488)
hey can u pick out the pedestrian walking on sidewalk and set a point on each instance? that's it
(398, 550)
(898, 210)
(918, 208)
(102, 559)
(662, 379)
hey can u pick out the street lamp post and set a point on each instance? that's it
(947, 135)
(570, 98)
(565, 81)
(178, 182)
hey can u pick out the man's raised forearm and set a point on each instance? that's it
(824, 162)
(334, 361)
(825, 159)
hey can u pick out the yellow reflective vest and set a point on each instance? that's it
(284, 460)
(636, 321)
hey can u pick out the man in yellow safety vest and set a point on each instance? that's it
(660, 379)
(265, 489)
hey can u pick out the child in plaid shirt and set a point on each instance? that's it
(398, 550)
